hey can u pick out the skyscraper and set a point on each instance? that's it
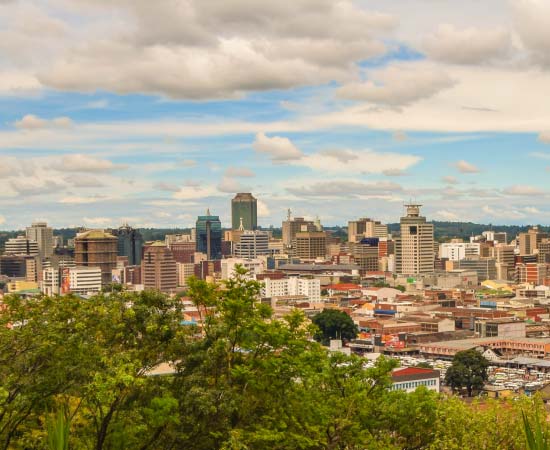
(252, 244)
(296, 225)
(96, 248)
(43, 236)
(209, 236)
(159, 268)
(244, 206)
(130, 244)
(414, 249)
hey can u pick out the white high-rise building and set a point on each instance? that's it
(254, 266)
(21, 245)
(43, 236)
(455, 251)
(77, 280)
(252, 244)
(414, 249)
(309, 287)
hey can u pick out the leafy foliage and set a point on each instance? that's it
(334, 324)
(468, 370)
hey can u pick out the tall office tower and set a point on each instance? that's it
(252, 244)
(495, 236)
(528, 242)
(366, 228)
(159, 268)
(505, 261)
(209, 236)
(21, 245)
(414, 249)
(310, 244)
(296, 225)
(244, 206)
(43, 236)
(130, 244)
(97, 248)
(366, 253)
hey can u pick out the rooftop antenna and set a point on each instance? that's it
(207, 211)
(241, 226)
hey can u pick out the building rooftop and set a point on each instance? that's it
(95, 234)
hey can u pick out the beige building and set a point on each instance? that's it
(296, 225)
(185, 271)
(365, 227)
(310, 245)
(43, 236)
(414, 249)
(96, 248)
(528, 242)
(159, 268)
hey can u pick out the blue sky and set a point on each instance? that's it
(120, 112)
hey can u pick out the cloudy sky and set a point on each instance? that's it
(151, 111)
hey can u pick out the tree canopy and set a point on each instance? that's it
(78, 374)
(468, 370)
(334, 324)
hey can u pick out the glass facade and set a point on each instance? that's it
(244, 206)
(209, 236)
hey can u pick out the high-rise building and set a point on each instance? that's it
(310, 244)
(414, 249)
(130, 244)
(21, 245)
(366, 228)
(43, 236)
(296, 225)
(209, 236)
(455, 251)
(159, 268)
(244, 210)
(97, 248)
(252, 244)
(366, 253)
(77, 280)
(528, 242)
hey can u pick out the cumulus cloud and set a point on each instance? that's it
(447, 215)
(398, 85)
(163, 186)
(340, 188)
(400, 136)
(86, 163)
(223, 49)
(240, 172)
(2, 220)
(84, 181)
(32, 122)
(36, 185)
(279, 149)
(544, 137)
(532, 23)
(449, 180)
(523, 190)
(187, 163)
(467, 46)
(191, 192)
(230, 185)
(78, 200)
(466, 167)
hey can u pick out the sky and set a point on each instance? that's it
(148, 113)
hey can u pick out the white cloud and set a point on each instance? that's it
(400, 136)
(32, 122)
(532, 23)
(169, 187)
(98, 221)
(398, 85)
(447, 215)
(187, 163)
(230, 185)
(544, 137)
(195, 192)
(341, 188)
(358, 162)
(2, 220)
(466, 167)
(36, 185)
(86, 163)
(449, 180)
(523, 190)
(77, 200)
(468, 45)
(263, 209)
(279, 149)
(242, 172)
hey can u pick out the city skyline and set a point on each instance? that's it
(441, 107)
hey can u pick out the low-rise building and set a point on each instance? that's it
(410, 378)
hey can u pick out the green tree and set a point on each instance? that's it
(468, 370)
(334, 324)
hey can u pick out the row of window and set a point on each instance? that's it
(413, 384)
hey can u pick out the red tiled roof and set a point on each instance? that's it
(412, 371)
(344, 287)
